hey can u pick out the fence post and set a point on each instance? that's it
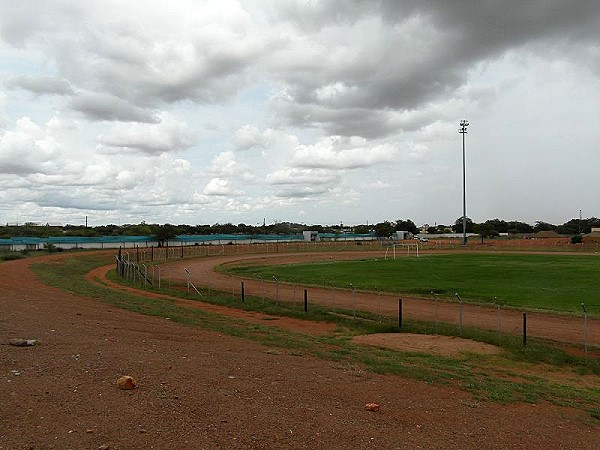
(188, 279)
(333, 289)
(459, 314)
(276, 290)
(499, 320)
(585, 346)
(524, 329)
(378, 301)
(399, 313)
(242, 291)
(305, 300)
(353, 301)
(435, 312)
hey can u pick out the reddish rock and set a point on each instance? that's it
(372, 407)
(126, 382)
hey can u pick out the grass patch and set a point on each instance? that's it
(547, 282)
(472, 374)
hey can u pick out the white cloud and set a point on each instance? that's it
(247, 137)
(168, 135)
(341, 153)
(219, 187)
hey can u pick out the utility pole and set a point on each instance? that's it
(463, 130)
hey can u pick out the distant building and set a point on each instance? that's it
(403, 235)
(311, 236)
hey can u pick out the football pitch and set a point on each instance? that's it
(547, 282)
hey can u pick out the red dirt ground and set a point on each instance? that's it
(202, 390)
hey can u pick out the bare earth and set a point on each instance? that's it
(198, 389)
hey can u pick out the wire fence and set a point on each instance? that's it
(176, 268)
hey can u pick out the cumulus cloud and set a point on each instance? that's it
(219, 187)
(247, 137)
(342, 153)
(27, 149)
(168, 135)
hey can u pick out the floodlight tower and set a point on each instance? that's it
(463, 130)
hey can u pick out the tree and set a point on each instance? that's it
(361, 229)
(516, 227)
(500, 226)
(163, 233)
(543, 226)
(458, 225)
(384, 229)
(406, 225)
(487, 231)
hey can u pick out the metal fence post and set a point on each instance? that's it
(353, 301)
(585, 346)
(276, 290)
(400, 313)
(459, 314)
(435, 311)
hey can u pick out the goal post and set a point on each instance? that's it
(409, 247)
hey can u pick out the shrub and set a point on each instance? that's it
(576, 239)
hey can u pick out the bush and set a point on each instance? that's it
(576, 239)
(50, 248)
(11, 256)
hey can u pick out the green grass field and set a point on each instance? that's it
(550, 282)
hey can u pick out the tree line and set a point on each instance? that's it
(489, 228)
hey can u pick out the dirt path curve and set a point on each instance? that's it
(552, 326)
(98, 276)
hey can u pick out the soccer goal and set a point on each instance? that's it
(410, 249)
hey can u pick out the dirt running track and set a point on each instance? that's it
(202, 390)
(557, 327)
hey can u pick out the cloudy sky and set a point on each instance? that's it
(308, 111)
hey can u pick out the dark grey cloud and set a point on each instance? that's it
(79, 201)
(40, 85)
(302, 192)
(414, 52)
(364, 122)
(101, 106)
